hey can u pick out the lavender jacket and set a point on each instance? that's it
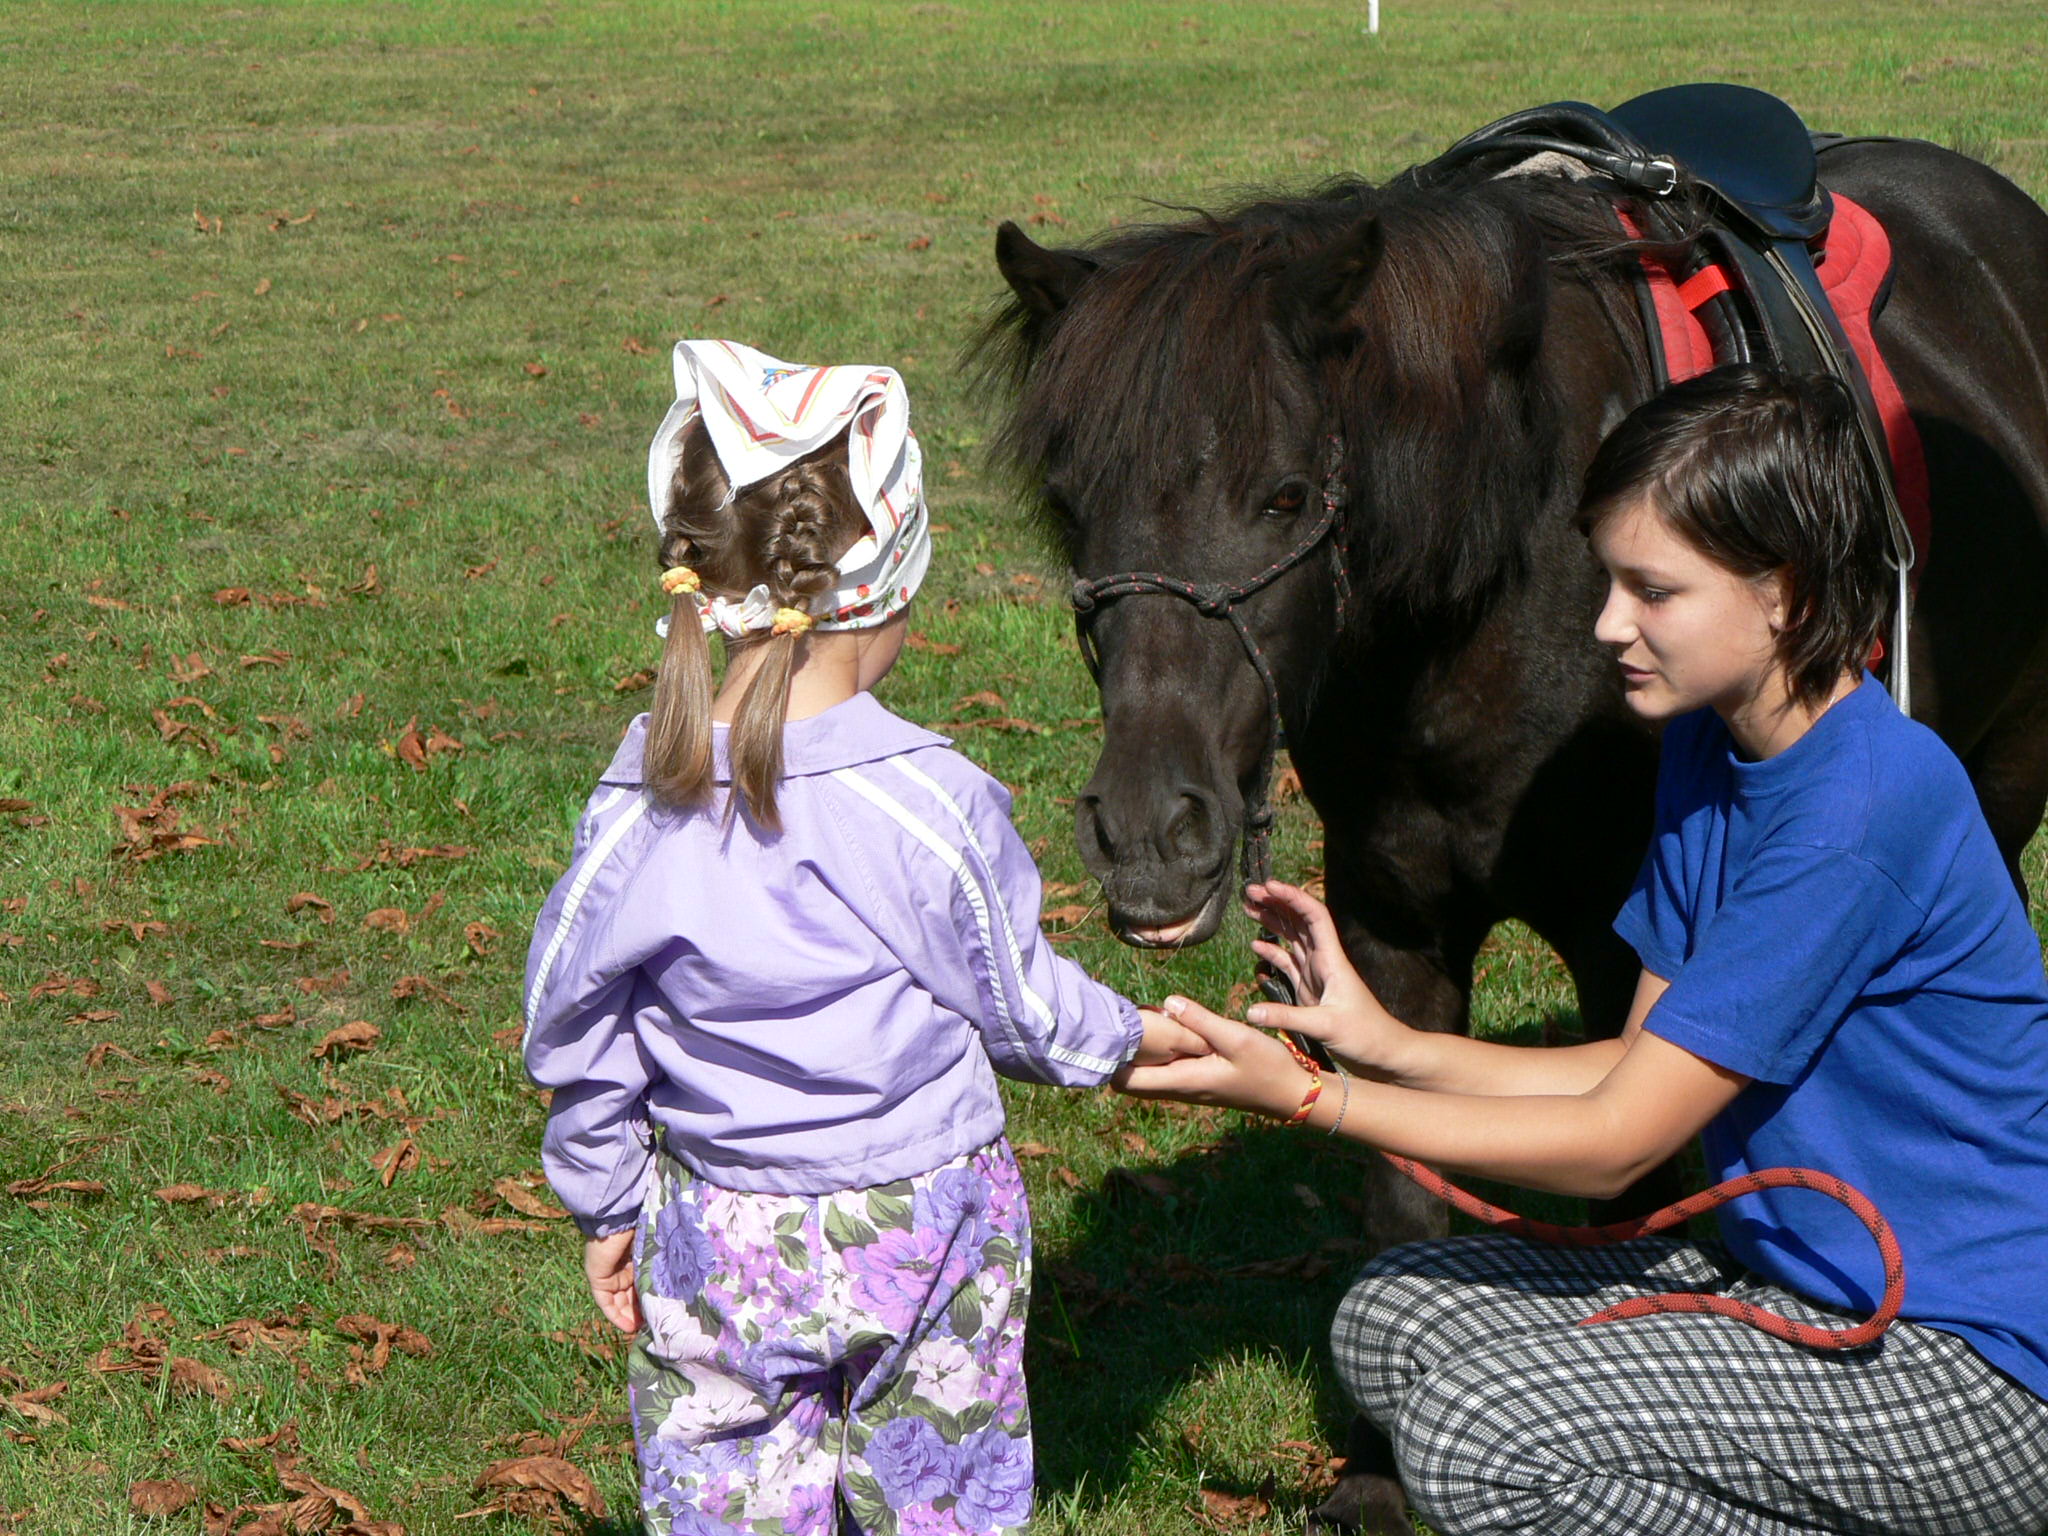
(820, 1010)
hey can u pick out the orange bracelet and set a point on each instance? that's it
(1308, 1099)
(1315, 1080)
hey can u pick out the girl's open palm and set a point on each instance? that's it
(1333, 1003)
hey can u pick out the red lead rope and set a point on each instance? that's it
(1867, 1332)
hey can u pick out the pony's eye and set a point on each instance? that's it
(1291, 497)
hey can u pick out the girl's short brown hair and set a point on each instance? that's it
(785, 533)
(1763, 472)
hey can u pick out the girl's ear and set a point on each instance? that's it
(1777, 597)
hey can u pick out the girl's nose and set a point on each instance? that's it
(1614, 627)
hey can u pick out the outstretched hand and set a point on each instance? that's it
(1333, 1003)
(1242, 1068)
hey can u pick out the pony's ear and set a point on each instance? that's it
(1044, 281)
(1324, 287)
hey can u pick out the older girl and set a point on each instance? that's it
(1837, 974)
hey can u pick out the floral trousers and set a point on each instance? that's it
(814, 1365)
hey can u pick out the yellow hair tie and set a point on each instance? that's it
(792, 621)
(678, 579)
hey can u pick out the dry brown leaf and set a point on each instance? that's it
(299, 901)
(523, 1195)
(1034, 1149)
(159, 994)
(917, 640)
(192, 1194)
(197, 1378)
(401, 1156)
(419, 986)
(548, 1474)
(1226, 1511)
(1067, 916)
(358, 1035)
(34, 1405)
(160, 1498)
(389, 920)
(633, 682)
(480, 936)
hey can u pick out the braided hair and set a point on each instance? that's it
(785, 533)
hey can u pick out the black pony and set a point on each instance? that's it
(1439, 357)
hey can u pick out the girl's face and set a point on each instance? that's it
(1689, 633)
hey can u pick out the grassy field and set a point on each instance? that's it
(336, 333)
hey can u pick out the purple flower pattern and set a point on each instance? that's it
(736, 1415)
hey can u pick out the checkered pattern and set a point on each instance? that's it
(1505, 1415)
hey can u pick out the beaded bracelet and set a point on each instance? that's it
(1344, 1103)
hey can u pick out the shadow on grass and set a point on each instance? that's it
(1181, 1272)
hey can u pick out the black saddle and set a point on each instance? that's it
(1758, 166)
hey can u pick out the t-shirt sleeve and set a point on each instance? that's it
(1805, 932)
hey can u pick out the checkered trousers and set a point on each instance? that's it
(1506, 1416)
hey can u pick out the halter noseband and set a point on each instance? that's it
(1221, 600)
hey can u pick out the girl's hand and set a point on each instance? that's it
(608, 1265)
(1243, 1068)
(1335, 1005)
(1165, 1041)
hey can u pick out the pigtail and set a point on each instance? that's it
(810, 527)
(677, 755)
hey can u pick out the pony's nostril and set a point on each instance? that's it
(1189, 833)
(1090, 830)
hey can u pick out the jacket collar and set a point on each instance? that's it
(860, 730)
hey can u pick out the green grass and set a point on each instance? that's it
(275, 278)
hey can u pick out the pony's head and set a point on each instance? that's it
(1185, 395)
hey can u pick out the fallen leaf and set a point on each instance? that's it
(419, 986)
(1067, 916)
(536, 370)
(197, 1378)
(480, 936)
(299, 901)
(920, 243)
(192, 1194)
(523, 1197)
(400, 1157)
(160, 1498)
(548, 1474)
(633, 682)
(1033, 1149)
(389, 920)
(1226, 1511)
(159, 994)
(357, 1036)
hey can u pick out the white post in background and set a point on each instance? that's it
(1372, 16)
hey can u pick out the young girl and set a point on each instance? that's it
(1837, 974)
(798, 938)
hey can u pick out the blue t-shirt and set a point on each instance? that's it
(1836, 923)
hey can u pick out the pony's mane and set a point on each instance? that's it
(1183, 341)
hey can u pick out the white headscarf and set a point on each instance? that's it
(762, 416)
